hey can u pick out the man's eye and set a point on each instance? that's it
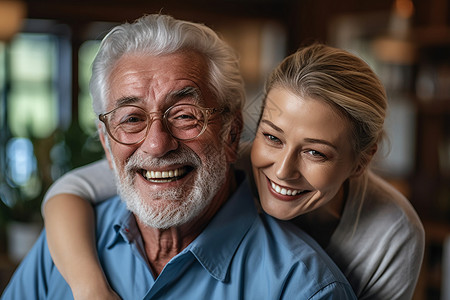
(185, 117)
(131, 119)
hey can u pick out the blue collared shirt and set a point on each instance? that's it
(240, 255)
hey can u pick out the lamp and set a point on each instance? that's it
(12, 12)
(397, 46)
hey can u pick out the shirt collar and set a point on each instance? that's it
(125, 227)
(215, 246)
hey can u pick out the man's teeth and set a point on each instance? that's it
(284, 191)
(172, 174)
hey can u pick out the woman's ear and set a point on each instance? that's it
(232, 140)
(364, 161)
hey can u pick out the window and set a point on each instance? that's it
(32, 106)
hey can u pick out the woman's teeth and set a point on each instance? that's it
(164, 175)
(284, 191)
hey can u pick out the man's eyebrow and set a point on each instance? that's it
(172, 97)
(127, 100)
(186, 92)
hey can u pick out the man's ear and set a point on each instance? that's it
(232, 140)
(364, 161)
(101, 134)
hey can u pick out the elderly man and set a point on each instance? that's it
(169, 97)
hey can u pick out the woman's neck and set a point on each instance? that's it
(322, 222)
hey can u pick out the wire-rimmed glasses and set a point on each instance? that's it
(129, 124)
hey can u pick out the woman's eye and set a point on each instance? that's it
(272, 138)
(316, 154)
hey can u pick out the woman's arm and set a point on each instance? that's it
(93, 182)
(69, 221)
(69, 224)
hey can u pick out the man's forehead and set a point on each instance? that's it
(176, 75)
(186, 62)
(135, 84)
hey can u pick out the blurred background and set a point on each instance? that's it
(47, 125)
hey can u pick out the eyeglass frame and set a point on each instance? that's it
(207, 112)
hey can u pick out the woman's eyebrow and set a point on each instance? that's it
(320, 141)
(309, 140)
(275, 127)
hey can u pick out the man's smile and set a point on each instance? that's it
(165, 176)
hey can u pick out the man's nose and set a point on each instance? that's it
(158, 141)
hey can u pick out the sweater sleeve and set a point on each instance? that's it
(94, 183)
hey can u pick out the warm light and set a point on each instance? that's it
(404, 8)
(396, 45)
(393, 50)
(12, 14)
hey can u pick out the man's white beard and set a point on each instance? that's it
(186, 202)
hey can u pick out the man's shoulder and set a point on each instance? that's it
(37, 277)
(290, 238)
(283, 248)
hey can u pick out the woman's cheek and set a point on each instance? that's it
(259, 154)
(322, 177)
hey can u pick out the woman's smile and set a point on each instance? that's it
(285, 193)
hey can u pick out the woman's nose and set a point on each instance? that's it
(288, 166)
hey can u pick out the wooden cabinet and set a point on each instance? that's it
(430, 182)
(431, 281)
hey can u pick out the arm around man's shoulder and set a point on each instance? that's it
(93, 182)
